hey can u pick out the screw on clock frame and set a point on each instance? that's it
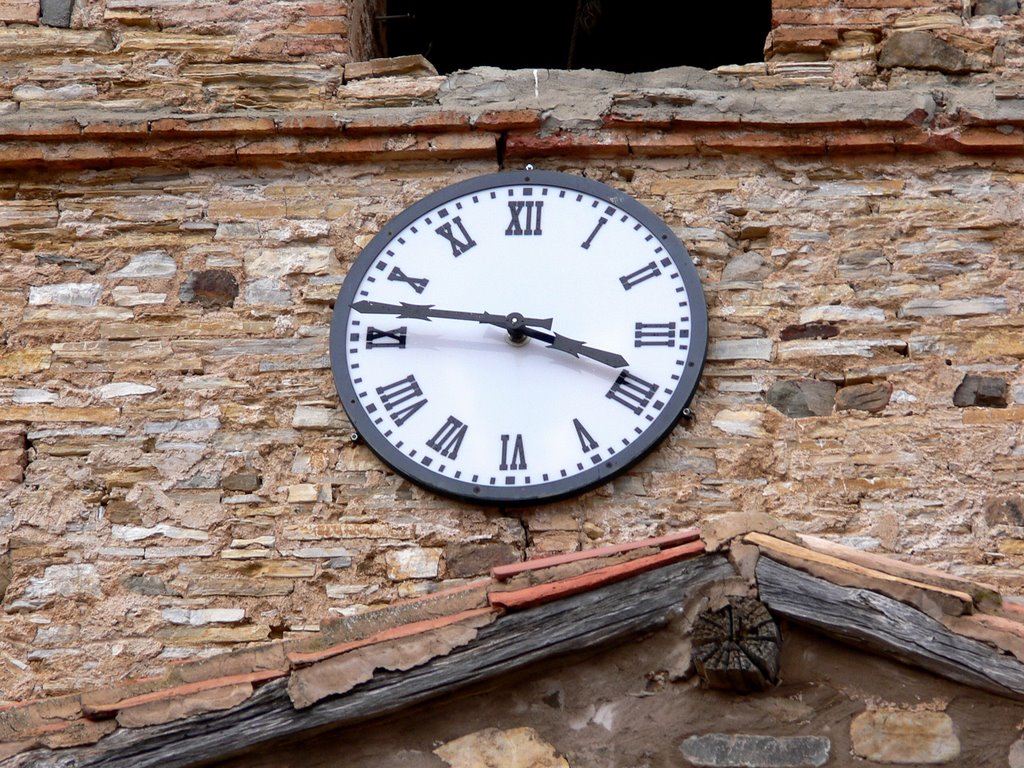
(687, 414)
(354, 437)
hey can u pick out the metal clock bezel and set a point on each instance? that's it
(554, 490)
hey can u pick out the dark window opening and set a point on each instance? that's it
(617, 35)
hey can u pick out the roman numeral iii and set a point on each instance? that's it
(632, 392)
(654, 335)
(518, 454)
(532, 210)
(396, 396)
(459, 247)
(448, 439)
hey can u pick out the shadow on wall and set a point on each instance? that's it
(617, 35)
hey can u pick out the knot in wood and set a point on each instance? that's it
(737, 647)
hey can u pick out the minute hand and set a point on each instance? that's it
(577, 348)
(428, 312)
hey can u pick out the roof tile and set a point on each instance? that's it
(673, 539)
(555, 590)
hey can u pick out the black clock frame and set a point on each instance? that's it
(678, 403)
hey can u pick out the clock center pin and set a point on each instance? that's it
(515, 323)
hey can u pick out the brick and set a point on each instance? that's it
(799, 34)
(42, 413)
(19, 11)
(504, 120)
(322, 25)
(12, 473)
(213, 126)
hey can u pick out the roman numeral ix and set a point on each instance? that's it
(518, 454)
(396, 398)
(632, 392)
(377, 338)
(517, 207)
(459, 247)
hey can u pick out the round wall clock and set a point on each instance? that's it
(519, 337)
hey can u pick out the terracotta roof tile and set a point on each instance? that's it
(554, 590)
(349, 650)
(182, 690)
(403, 630)
(933, 600)
(503, 572)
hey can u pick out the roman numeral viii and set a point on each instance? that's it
(396, 398)
(459, 246)
(518, 454)
(376, 338)
(448, 439)
(532, 210)
(632, 392)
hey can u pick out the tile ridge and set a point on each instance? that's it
(592, 579)
(504, 572)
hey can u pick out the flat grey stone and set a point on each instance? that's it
(749, 265)
(56, 13)
(724, 750)
(996, 7)
(984, 391)
(869, 263)
(919, 49)
(864, 397)
(981, 305)
(146, 265)
(802, 397)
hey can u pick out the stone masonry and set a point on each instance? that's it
(182, 188)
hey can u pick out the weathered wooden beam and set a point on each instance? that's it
(592, 619)
(880, 623)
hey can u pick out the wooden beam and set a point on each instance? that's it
(596, 618)
(886, 625)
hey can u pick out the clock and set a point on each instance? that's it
(518, 337)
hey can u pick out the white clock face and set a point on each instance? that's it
(518, 337)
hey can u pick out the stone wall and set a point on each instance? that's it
(176, 474)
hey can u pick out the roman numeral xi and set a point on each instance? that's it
(459, 246)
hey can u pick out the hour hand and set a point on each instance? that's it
(577, 348)
(429, 312)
